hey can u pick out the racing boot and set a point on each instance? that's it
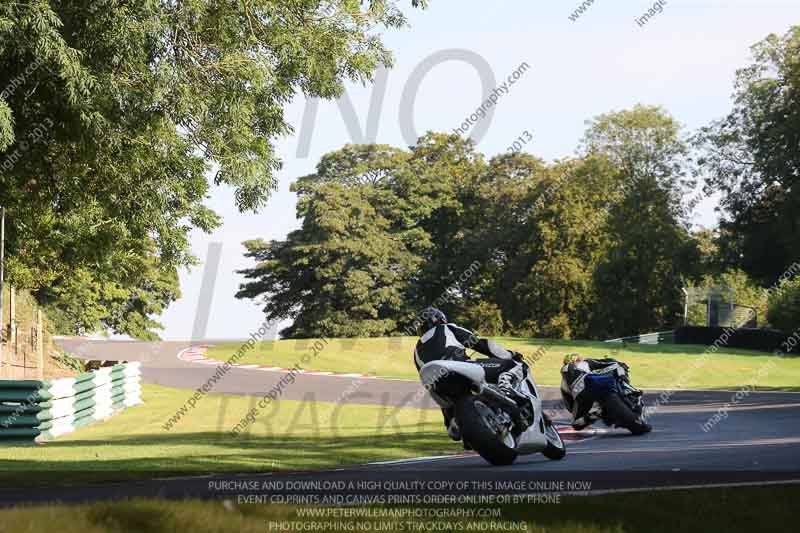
(508, 381)
(453, 431)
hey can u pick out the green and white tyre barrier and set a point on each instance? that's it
(42, 410)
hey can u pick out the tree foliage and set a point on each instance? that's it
(114, 114)
(347, 236)
(347, 270)
(753, 157)
(386, 232)
(784, 306)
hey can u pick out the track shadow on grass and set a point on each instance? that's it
(214, 453)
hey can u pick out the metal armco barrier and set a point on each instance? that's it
(33, 411)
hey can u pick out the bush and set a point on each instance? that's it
(762, 340)
(784, 306)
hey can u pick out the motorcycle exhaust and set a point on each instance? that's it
(488, 393)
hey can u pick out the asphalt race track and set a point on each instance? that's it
(758, 442)
(161, 366)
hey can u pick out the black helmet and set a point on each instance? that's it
(432, 317)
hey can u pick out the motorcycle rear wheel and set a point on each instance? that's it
(479, 433)
(618, 412)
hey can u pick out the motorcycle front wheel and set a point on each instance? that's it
(555, 445)
(480, 430)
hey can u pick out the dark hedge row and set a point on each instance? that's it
(764, 340)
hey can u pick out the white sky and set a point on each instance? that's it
(684, 59)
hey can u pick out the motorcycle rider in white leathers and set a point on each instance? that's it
(441, 340)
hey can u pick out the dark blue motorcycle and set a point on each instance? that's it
(620, 403)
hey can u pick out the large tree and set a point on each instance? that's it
(542, 229)
(383, 234)
(346, 271)
(650, 254)
(494, 230)
(447, 205)
(570, 238)
(113, 114)
(753, 157)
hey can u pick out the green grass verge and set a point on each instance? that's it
(652, 366)
(741, 509)
(293, 435)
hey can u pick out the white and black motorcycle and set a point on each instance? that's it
(493, 424)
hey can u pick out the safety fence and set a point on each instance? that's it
(40, 410)
(659, 337)
(24, 336)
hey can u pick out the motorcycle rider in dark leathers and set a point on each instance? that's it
(577, 400)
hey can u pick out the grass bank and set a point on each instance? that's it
(741, 509)
(656, 366)
(292, 435)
